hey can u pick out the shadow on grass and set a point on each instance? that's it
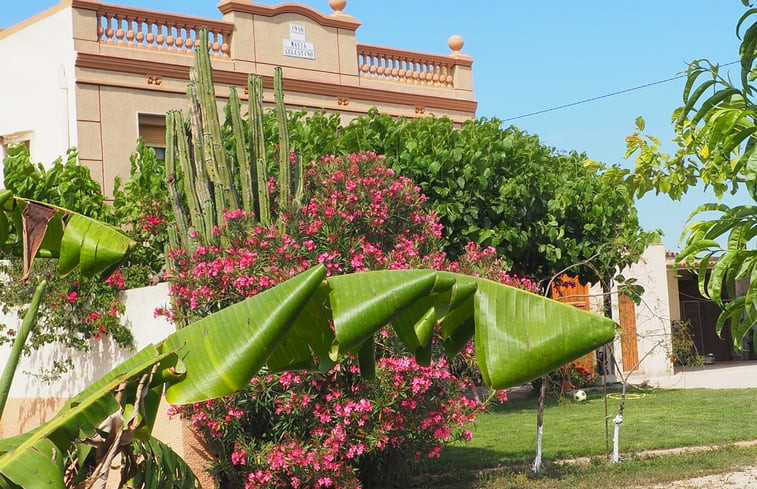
(482, 465)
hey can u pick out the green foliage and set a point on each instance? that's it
(684, 350)
(500, 187)
(66, 184)
(727, 274)
(80, 306)
(74, 312)
(141, 206)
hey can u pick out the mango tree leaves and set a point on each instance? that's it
(727, 273)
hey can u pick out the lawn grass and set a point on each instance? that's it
(504, 438)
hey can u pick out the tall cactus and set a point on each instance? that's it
(257, 149)
(285, 165)
(242, 155)
(196, 154)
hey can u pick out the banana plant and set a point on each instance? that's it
(40, 229)
(33, 229)
(309, 321)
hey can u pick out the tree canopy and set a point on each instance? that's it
(542, 209)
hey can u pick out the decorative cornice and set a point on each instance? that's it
(341, 22)
(226, 77)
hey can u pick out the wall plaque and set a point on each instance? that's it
(296, 45)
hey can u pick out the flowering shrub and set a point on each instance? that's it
(73, 313)
(334, 430)
(314, 430)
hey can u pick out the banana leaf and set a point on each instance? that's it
(46, 230)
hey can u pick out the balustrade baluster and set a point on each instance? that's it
(216, 47)
(179, 38)
(129, 30)
(191, 36)
(140, 35)
(225, 49)
(161, 37)
(109, 30)
(169, 36)
(380, 60)
(120, 29)
(150, 37)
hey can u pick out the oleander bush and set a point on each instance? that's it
(331, 429)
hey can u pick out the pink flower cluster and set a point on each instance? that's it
(326, 427)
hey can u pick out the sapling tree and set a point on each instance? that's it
(716, 132)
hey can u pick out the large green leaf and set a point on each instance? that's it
(363, 303)
(41, 465)
(74, 238)
(521, 336)
(223, 351)
(94, 245)
(80, 416)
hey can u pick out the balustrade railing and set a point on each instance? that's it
(158, 30)
(380, 63)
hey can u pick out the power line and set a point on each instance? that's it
(612, 94)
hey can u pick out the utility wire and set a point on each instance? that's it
(599, 97)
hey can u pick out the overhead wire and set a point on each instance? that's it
(599, 97)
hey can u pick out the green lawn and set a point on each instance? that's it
(633, 472)
(504, 439)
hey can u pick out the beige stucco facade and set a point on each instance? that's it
(99, 68)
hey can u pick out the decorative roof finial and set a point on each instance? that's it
(455, 43)
(337, 6)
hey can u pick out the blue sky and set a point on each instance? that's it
(529, 56)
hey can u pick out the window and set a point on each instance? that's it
(21, 137)
(152, 130)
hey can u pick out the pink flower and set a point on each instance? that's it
(239, 457)
(502, 395)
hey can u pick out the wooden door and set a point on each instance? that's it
(629, 346)
(570, 291)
